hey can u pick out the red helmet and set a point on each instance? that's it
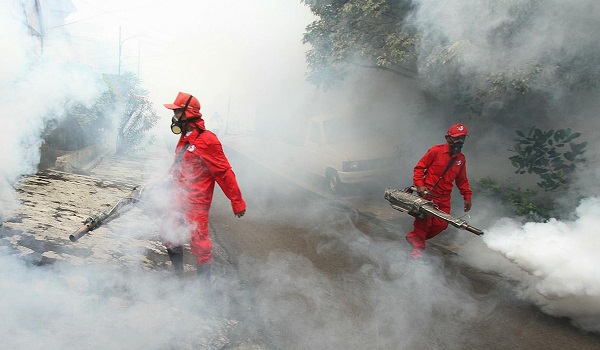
(457, 130)
(183, 99)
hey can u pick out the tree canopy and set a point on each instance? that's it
(122, 109)
(138, 114)
(369, 33)
(480, 55)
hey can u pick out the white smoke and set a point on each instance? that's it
(35, 87)
(484, 39)
(487, 38)
(562, 257)
(117, 309)
(95, 307)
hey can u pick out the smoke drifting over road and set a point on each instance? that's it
(95, 307)
(520, 37)
(103, 307)
(562, 259)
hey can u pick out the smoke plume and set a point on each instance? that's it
(483, 39)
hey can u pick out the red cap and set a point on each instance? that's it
(193, 108)
(457, 130)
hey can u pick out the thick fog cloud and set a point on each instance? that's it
(34, 88)
(241, 59)
(491, 37)
(244, 61)
(97, 307)
(555, 262)
(65, 307)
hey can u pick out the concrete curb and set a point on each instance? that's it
(81, 161)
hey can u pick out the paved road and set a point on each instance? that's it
(299, 271)
(326, 276)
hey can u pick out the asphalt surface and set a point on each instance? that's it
(302, 270)
(359, 251)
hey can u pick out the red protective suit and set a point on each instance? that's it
(202, 164)
(426, 173)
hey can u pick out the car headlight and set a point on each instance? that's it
(351, 166)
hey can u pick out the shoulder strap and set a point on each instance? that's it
(444, 173)
(179, 157)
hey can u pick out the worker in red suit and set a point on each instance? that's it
(433, 178)
(199, 163)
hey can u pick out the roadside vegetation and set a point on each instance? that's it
(551, 156)
(514, 93)
(121, 115)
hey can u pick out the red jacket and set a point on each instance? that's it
(204, 163)
(429, 169)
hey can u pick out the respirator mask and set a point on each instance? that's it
(177, 124)
(456, 146)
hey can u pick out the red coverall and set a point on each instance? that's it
(426, 173)
(203, 163)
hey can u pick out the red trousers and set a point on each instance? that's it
(193, 225)
(200, 242)
(428, 227)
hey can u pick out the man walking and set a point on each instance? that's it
(199, 163)
(433, 177)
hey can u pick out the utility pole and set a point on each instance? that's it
(121, 49)
(139, 44)
(120, 44)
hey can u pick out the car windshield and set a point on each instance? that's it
(345, 130)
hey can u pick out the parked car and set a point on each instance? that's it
(345, 152)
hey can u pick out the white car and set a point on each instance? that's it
(346, 153)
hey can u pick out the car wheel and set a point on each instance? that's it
(333, 181)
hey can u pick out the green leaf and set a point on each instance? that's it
(559, 134)
(578, 148)
(570, 156)
(572, 137)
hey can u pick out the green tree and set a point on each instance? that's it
(93, 122)
(551, 155)
(365, 33)
(382, 34)
(137, 114)
(81, 126)
(545, 153)
(522, 202)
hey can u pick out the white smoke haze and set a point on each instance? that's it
(557, 260)
(244, 60)
(385, 303)
(548, 32)
(34, 88)
(226, 53)
(493, 37)
(562, 257)
(96, 307)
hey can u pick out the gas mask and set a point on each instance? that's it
(456, 146)
(177, 124)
